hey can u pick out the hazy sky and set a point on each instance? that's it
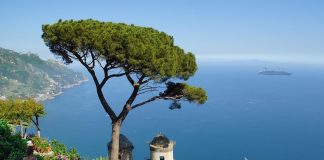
(286, 30)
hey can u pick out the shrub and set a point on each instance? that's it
(101, 158)
(41, 145)
(11, 146)
(61, 152)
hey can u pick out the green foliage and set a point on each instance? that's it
(16, 154)
(16, 110)
(12, 111)
(40, 142)
(61, 150)
(11, 146)
(184, 91)
(102, 158)
(73, 154)
(58, 148)
(38, 157)
(137, 52)
(138, 49)
(195, 94)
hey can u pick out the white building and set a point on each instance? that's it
(161, 148)
(3, 97)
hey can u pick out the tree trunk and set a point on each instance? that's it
(37, 126)
(25, 134)
(114, 152)
(38, 133)
(21, 129)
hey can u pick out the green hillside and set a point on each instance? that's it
(26, 75)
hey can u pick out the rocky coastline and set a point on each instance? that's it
(49, 96)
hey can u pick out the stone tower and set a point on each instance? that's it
(161, 148)
(125, 148)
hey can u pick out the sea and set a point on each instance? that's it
(248, 115)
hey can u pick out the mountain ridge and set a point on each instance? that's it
(27, 75)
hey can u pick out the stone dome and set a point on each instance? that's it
(160, 140)
(124, 143)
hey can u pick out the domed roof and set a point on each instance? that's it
(160, 140)
(124, 143)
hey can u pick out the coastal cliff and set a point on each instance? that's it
(27, 75)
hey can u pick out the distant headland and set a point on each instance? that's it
(27, 75)
(267, 71)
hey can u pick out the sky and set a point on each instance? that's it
(276, 30)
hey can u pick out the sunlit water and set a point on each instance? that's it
(247, 115)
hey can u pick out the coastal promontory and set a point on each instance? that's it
(27, 75)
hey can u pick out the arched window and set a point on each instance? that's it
(161, 157)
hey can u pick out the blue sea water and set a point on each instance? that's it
(246, 115)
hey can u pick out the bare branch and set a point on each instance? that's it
(102, 98)
(173, 98)
(143, 92)
(129, 102)
(103, 82)
(156, 98)
(140, 80)
(93, 63)
(130, 79)
(105, 70)
(35, 124)
(143, 85)
(109, 66)
(147, 101)
(147, 80)
(148, 89)
(100, 64)
(117, 75)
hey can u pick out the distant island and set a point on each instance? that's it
(267, 71)
(27, 75)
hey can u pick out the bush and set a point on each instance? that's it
(38, 157)
(101, 158)
(61, 151)
(41, 145)
(11, 146)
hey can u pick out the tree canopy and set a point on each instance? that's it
(17, 110)
(148, 58)
(141, 51)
